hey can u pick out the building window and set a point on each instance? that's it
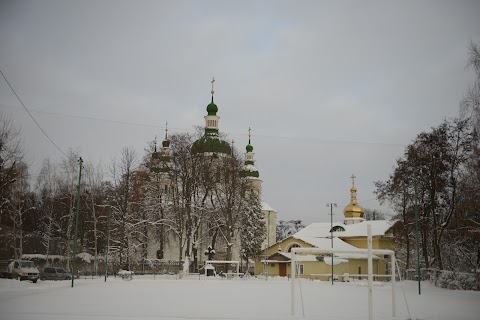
(300, 269)
(293, 246)
(337, 229)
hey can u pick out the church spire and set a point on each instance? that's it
(249, 146)
(213, 91)
(353, 191)
(211, 119)
(166, 142)
(249, 169)
(353, 212)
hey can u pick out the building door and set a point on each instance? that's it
(282, 271)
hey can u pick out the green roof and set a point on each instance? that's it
(211, 144)
(246, 173)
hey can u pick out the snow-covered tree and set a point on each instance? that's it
(252, 227)
(287, 228)
(123, 173)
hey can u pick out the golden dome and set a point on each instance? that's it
(353, 210)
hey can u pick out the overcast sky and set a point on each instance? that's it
(328, 88)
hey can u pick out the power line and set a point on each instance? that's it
(38, 125)
(234, 133)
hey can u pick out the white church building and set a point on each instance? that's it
(168, 247)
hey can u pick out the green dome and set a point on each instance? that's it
(249, 148)
(209, 144)
(212, 109)
(166, 143)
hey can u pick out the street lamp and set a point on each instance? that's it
(331, 205)
(265, 269)
(80, 161)
(108, 239)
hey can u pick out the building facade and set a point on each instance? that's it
(349, 234)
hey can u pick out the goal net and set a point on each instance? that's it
(369, 252)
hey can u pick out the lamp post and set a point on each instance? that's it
(80, 161)
(267, 245)
(265, 269)
(108, 239)
(331, 205)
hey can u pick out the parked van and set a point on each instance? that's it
(23, 270)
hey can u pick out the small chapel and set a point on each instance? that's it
(348, 234)
(167, 247)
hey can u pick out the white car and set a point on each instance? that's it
(23, 270)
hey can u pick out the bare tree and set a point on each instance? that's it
(122, 173)
(470, 105)
(96, 204)
(11, 155)
(68, 180)
(47, 186)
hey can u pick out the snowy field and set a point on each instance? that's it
(146, 298)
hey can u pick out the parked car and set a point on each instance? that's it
(22, 270)
(55, 273)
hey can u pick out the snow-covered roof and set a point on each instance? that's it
(267, 207)
(250, 167)
(326, 243)
(322, 230)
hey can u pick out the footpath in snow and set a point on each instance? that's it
(146, 298)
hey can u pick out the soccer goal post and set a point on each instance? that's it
(370, 252)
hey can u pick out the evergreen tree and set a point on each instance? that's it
(252, 230)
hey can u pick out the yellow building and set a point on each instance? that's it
(350, 234)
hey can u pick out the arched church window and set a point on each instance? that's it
(293, 246)
(337, 229)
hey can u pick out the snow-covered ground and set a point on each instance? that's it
(146, 298)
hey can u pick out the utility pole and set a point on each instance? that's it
(331, 205)
(80, 161)
(108, 239)
(416, 236)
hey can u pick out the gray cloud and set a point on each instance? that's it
(304, 75)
